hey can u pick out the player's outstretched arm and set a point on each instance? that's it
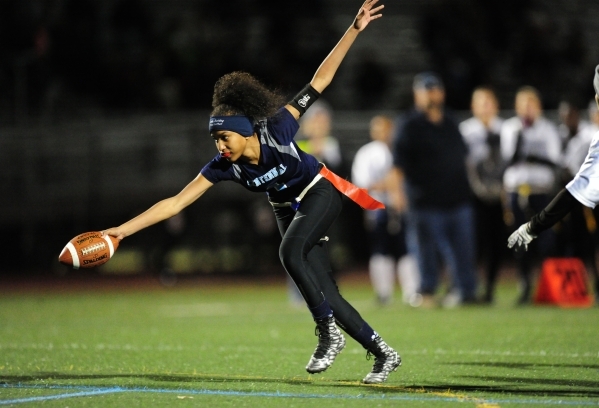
(163, 209)
(327, 69)
(557, 209)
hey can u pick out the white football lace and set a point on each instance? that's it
(93, 248)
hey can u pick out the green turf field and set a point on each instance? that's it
(244, 345)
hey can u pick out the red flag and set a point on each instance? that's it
(358, 195)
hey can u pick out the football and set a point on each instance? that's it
(88, 250)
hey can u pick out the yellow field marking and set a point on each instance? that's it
(480, 403)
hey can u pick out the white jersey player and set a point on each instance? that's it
(371, 165)
(485, 167)
(531, 146)
(374, 160)
(540, 144)
(583, 189)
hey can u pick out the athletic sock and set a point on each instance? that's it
(382, 276)
(321, 311)
(409, 277)
(365, 336)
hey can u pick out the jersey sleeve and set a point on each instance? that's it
(585, 184)
(459, 139)
(283, 126)
(508, 138)
(371, 164)
(217, 170)
(359, 169)
(557, 209)
(554, 143)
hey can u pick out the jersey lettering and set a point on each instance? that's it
(269, 175)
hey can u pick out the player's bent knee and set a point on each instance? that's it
(291, 256)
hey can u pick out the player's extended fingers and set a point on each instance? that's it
(367, 6)
(376, 10)
(367, 14)
(513, 239)
(521, 247)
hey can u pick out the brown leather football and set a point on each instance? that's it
(88, 250)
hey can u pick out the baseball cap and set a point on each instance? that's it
(427, 80)
(596, 80)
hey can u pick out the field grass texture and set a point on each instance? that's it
(236, 345)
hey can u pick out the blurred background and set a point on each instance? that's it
(104, 107)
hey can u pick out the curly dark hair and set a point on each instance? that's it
(239, 93)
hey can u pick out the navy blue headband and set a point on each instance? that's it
(238, 124)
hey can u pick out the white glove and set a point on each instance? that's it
(520, 238)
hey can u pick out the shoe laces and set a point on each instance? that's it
(379, 361)
(379, 364)
(324, 339)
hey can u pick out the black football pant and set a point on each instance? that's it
(304, 254)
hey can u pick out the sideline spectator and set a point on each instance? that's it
(485, 171)
(531, 145)
(430, 159)
(316, 139)
(385, 227)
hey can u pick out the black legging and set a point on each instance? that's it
(304, 255)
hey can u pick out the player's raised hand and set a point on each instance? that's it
(367, 13)
(520, 238)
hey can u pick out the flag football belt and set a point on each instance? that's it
(359, 195)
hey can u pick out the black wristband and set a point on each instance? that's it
(303, 100)
(561, 205)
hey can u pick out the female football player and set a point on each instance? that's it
(253, 131)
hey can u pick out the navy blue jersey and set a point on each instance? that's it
(283, 170)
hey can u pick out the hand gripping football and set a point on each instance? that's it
(88, 250)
